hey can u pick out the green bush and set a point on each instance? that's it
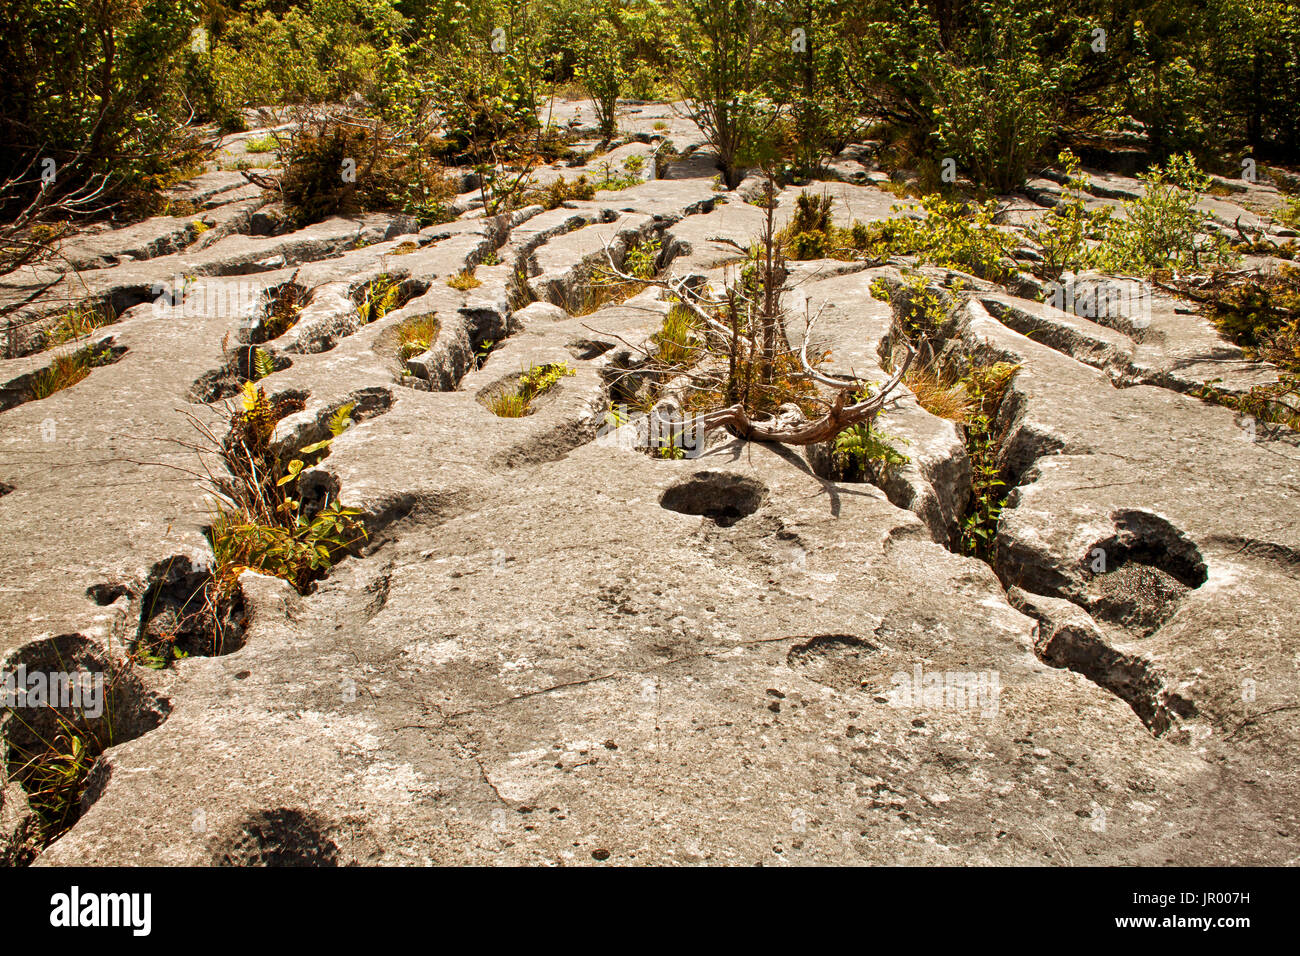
(1163, 229)
(313, 52)
(97, 88)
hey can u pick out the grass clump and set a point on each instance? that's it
(536, 380)
(67, 370)
(464, 280)
(416, 335)
(77, 323)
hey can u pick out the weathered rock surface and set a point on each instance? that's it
(552, 649)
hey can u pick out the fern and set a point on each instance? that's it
(263, 364)
(861, 450)
(341, 420)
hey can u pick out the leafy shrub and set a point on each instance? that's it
(312, 52)
(953, 234)
(995, 117)
(1062, 235)
(1163, 229)
(343, 165)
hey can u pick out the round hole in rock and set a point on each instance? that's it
(722, 497)
(183, 611)
(1137, 577)
(76, 702)
(278, 837)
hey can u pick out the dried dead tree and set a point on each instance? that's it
(745, 327)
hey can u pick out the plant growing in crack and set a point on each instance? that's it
(536, 380)
(379, 296)
(731, 365)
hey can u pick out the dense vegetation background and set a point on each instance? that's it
(113, 90)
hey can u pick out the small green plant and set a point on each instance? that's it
(642, 259)
(282, 312)
(55, 779)
(263, 144)
(298, 551)
(535, 380)
(612, 181)
(863, 453)
(1164, 229)
(263, 364)
(1062, 235)
(985, 386)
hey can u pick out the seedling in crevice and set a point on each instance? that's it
(861, 452)
(483, 350)
(985, 386)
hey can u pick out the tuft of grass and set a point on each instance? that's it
(677, 343)
(464, 280)
(78, 323)
(416, 335)
(937, 394)
(67, 370)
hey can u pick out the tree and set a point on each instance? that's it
(723, 55)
